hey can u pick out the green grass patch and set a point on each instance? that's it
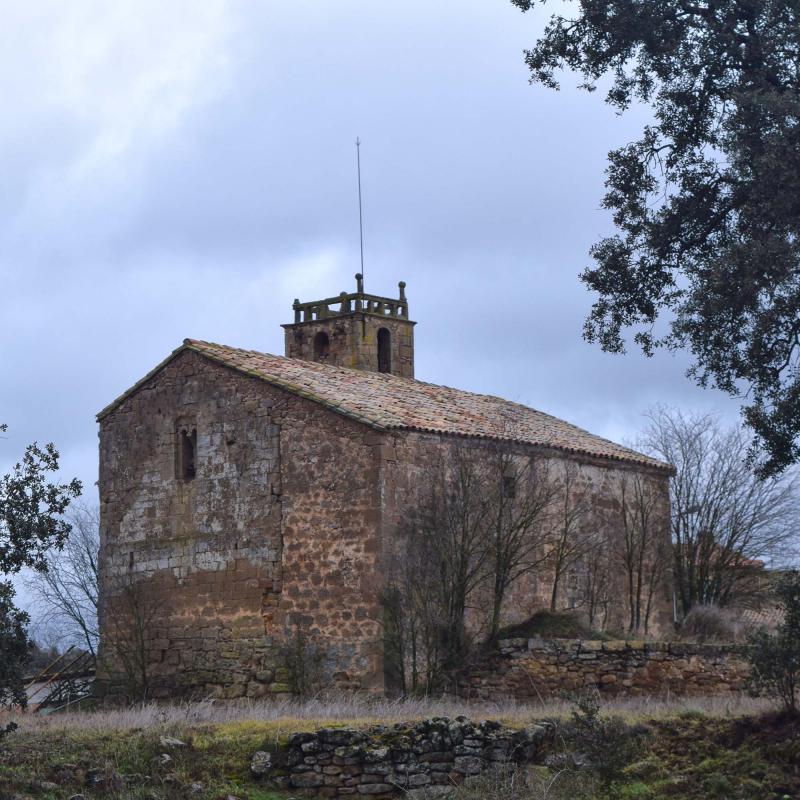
(689, 757)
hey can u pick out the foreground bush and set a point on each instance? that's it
(775, 659)
(606, 744)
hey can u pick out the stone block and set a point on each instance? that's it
(306, 780)
(468, 765)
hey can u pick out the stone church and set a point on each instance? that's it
(244, 494)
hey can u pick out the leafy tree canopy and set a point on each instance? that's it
(30, 510)
(30, 524)
(707, 201)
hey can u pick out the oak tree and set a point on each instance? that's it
(706, 203)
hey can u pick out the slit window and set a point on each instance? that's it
(384, 350)
(187, 453)
(322, 346)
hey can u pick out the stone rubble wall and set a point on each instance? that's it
(533, 669)
(418, 760)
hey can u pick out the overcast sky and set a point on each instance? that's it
(177, 170)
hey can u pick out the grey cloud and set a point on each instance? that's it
(480, 191)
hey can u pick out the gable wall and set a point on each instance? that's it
(277, 529)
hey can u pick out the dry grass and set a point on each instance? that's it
(363, 711)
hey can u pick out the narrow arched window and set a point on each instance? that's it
(322, 346)
(187, 454)
(384, 350)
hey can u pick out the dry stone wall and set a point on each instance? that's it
(533, 669)
(418, 760)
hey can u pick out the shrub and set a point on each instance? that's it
(303, 661)
(552, 625)
(607, 743)
(775, 659)
(14, 653)
(712, 624)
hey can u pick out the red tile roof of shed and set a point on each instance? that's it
(388, 402)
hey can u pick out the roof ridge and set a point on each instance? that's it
(283, 384)
(413, 405)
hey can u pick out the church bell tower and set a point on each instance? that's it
(357, 330)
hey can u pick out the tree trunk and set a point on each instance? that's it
(554, 593)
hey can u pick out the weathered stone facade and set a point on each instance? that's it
(278, 528)
(247, 497)
(530, 670)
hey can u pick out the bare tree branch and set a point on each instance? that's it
(727, 523)
(66, 594)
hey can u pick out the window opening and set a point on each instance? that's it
(384, 350)
(188, 454)
(322, 346)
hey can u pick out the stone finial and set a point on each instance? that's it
(402, 286)
(359, 283)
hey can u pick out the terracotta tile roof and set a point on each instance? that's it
(388, 402)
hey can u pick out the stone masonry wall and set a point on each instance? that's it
(332, 541)
(410, 461)
(417, 760)
(534, 669)
(198, 555)
(277, 530)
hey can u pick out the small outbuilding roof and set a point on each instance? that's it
(388, 402)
